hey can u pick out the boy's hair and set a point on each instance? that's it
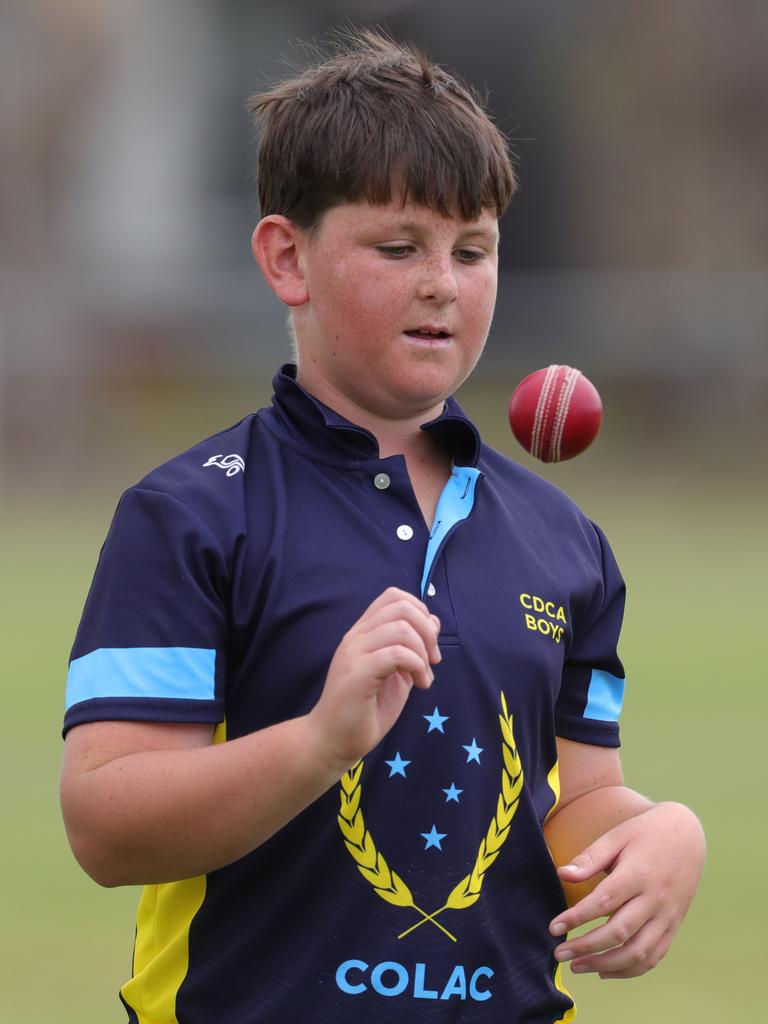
(377, 118)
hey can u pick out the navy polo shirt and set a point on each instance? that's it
(421, 886)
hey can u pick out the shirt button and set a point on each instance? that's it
(431, 590)
(381, 481)
(405, 532)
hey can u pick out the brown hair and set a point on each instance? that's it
(376, 117)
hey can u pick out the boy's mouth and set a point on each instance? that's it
(428, 334)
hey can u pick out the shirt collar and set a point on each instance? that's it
(309, 420)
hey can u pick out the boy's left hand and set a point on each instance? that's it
(653, 863)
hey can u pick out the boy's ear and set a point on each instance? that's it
(277, 243)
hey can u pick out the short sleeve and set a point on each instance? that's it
(151, 644)
(592, 688)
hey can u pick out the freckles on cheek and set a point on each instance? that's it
(486, 301)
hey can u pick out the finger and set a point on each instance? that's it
(598, 856)
(399, 632)
(616, 931)
(634, 957)
(408, 609)
(644, 966)
(393, 595)
(605, 899)
(413, 610)
(386, 661)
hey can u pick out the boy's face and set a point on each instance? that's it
(400, 301)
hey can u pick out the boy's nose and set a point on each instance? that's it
(438, 282)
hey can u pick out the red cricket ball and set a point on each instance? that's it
(555, 413)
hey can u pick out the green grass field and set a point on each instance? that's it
(694, 553)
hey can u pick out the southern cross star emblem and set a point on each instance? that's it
(372, 861)
(473, 751)
(397, 765)
(433, 838)
(436, 720)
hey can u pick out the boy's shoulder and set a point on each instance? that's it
(527, 497)
(522, 481)
(226, 450)
(206, 479)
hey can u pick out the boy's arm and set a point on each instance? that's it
(622, 857)
(151, 802)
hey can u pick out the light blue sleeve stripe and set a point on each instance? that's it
(604, 697)
(181, 673)
(455, 504)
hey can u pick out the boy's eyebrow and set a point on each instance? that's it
(482, 233)
(471, 232)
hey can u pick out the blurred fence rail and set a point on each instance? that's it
(79, 349)
(672, 323)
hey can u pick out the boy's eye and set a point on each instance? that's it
(469, 255)
(394, 250)
(465, 255)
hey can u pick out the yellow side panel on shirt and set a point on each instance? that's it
(553, 779)
(161, 953)
(569, 1014)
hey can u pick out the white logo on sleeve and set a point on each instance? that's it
(232, 464)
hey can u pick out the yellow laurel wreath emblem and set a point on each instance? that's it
(389, 885)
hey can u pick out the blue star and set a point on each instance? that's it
(397, 765)
(434, 838)
(473, 751)
(452, 793)
(436, 720)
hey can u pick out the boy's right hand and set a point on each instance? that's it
(134, 793)
(388, 650)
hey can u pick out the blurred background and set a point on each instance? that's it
(133, 323)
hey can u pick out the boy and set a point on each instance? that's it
(306, 707)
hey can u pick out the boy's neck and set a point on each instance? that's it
(428, 460)
(408, 439)
(401, 435)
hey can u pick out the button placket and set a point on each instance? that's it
(393, 506)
